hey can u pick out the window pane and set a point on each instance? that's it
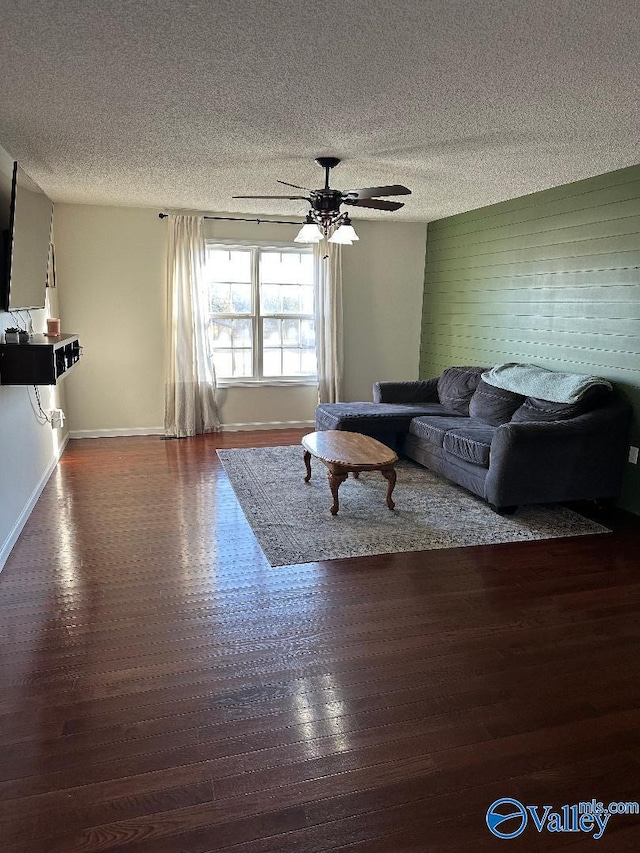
(309, 366)
(290, 299)
(305, 275)
(306, 299)
(232, 347)
(220, 333)
(271, 332)
(242, 333)
(270, 299)
(291, 332)
(291, 362)
(229, 265)
(226, 332)
(240, 299)
(220, 298)
(230, 363)
(242, 359)
(286, 267)
(308, 333)
(272, 361)
(223, 361)
(286, 299)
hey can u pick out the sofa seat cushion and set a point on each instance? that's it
(494, 406)
(456, 386)
(471, 442)
(372, 417)
(434, 429)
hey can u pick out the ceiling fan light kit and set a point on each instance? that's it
(309, 233)
(325, 219)
(344, 233)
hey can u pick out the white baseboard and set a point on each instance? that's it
(12, 538)
(118, 433)
(115, 433)
(267, 425)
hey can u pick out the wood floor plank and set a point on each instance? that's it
(164, 690)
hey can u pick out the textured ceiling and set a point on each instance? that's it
(184, 104)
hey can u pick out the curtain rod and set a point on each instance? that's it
(239, 219)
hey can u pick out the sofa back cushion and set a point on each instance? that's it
(540, 411)
(456, 386)
(492, 405)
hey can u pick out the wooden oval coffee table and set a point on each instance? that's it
(349, 452)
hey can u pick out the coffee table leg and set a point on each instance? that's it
(307, 462)
(335, 479)
(390, 475)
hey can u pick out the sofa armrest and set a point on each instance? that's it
(560, 460)
(420, 391)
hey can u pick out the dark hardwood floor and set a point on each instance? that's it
(164, 690)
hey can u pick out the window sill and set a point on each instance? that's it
(268, 383)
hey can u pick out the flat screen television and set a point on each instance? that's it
(26, 245)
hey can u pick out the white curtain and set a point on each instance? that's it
(190, 391)
(327, 275)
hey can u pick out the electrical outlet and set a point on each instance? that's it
(57, 417)
(633, 455)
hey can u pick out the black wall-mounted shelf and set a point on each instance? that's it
(43, 360)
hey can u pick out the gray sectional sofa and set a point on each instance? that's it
(509, 448)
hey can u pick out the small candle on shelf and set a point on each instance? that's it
(53, 327)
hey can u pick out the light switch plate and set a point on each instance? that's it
(633, 455)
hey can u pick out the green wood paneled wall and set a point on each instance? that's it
(551, 278)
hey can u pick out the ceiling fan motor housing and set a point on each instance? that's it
(326, 201)
(325, 209)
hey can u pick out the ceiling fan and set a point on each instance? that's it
(325, 213)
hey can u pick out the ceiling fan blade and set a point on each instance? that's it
(375, 203)
(374, 192)
(295, 186)
(289, 197)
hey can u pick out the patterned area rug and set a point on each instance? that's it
(292, 522)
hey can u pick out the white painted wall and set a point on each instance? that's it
(110, 266)
(28, 448)
(383, 283)
(111, 269)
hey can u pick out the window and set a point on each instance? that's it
(261, 324)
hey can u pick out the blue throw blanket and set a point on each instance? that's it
(533, 381)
